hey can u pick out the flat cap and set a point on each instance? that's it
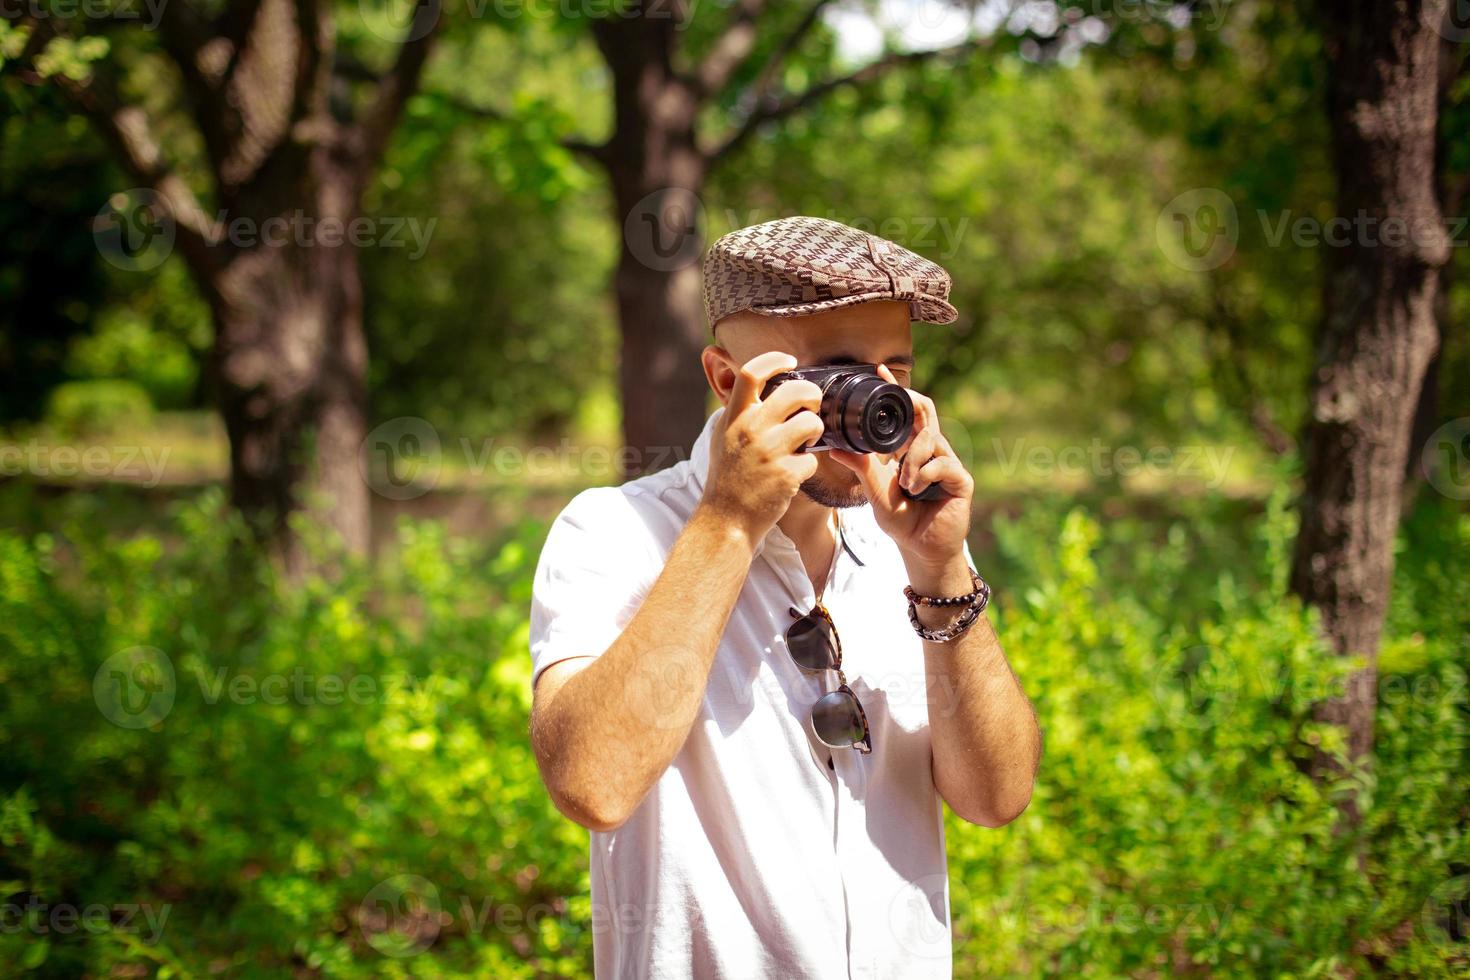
(801, 265)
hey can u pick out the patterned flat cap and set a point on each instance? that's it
(801, 265)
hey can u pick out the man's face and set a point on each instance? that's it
(876, 332)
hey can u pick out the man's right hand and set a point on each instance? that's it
(755, 462)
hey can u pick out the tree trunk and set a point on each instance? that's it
(1451, 189)
(291, 366)
(289, 158)
(657, 173)
(661, 316)
(1378, 328)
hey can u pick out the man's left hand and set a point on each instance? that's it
(930, 533)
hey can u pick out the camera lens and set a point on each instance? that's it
(884, 418)
(875, 416)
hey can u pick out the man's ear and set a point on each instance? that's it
(720, 370)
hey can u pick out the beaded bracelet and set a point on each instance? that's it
(956, 600)
(977, 600)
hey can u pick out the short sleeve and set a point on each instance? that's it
(597, 566)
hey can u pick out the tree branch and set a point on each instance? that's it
(354, 70)
(129, 131)
(771, 70)
(187, 38)
(398, 85)
(774, 111)
(729, 51)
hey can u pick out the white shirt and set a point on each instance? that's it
(750, 857)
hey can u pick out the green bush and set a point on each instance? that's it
(235, 774)
(83, 408)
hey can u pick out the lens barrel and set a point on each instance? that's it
(865, 414)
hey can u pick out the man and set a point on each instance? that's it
(751, 815)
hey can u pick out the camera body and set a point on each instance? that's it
(860, 412)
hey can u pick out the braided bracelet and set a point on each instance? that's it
(977, 600)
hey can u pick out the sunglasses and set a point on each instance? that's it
(837, 718)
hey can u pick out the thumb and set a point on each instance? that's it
(879, 480)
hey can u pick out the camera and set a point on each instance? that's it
(860, 412)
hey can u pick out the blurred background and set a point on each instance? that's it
(316, 313)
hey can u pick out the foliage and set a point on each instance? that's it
(298, 807)
(80, 408)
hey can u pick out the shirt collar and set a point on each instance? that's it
(852, 521)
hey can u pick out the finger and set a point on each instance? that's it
(948, 472)
(791, 397)
(802, 429)
(887, 375)
(920, 451)
(753, 375)
(802, 467)
(926, 415)
(877, 477)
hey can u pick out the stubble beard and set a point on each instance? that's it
(821, 491)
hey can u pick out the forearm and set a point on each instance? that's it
(615, 726)
(985, 741)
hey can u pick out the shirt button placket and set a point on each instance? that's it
(847, 810)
